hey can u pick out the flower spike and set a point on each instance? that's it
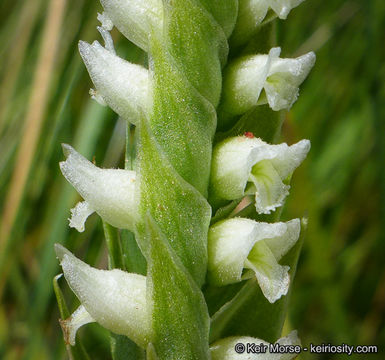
(247, 166)
(109, 192)
(113, 298)
(238, 244)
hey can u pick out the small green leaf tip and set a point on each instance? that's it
(238, 244)
(109, 192)
(113, 298)
(249, 166)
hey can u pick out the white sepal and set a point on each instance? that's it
(238, 244)
(71, 325)
(109, 192)
(122, 85)
(225, 349)
(243, 165)
(113, 298)
(245, 79)
(135, 19)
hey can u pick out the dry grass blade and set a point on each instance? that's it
(33, 122)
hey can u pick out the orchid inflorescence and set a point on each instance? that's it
(203, 204)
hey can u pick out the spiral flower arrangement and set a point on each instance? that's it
(203, 191)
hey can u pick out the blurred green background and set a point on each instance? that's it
(339, 291)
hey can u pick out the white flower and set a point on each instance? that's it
(135, 19)
(109, 192)
(259, 79)
(113, 298)
(243, 166)
(225, 349)
(238, 244)
(122, 85)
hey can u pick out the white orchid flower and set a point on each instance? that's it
(135, 19)
(109, 192)
(120, 84)
(113, 298)
(246, 166)
(234, 348)
(238, 244)
(260, 79)
(252, 14)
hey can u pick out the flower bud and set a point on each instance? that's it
(109, 192)
(122, 85)
(135, 19)
(226, 349)
(238, 244)
(113, 298)
(247, 166)
(246, 78)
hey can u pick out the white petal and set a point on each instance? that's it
(229, 245)
(224, 349)
(285, 77)
(79, 215)
(110, 192)
(114, 298)
(71, 325)
(122, 85)
(280, 245)
(135, 18)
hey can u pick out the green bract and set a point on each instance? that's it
(171, 295)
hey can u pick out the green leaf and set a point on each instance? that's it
(261, 121)
(175, 294)
(183, 122)
(181, 212)
(198, 45)
(115, 259)
(122, 348)
(133, 259)
(249, 313)
(224, 12)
